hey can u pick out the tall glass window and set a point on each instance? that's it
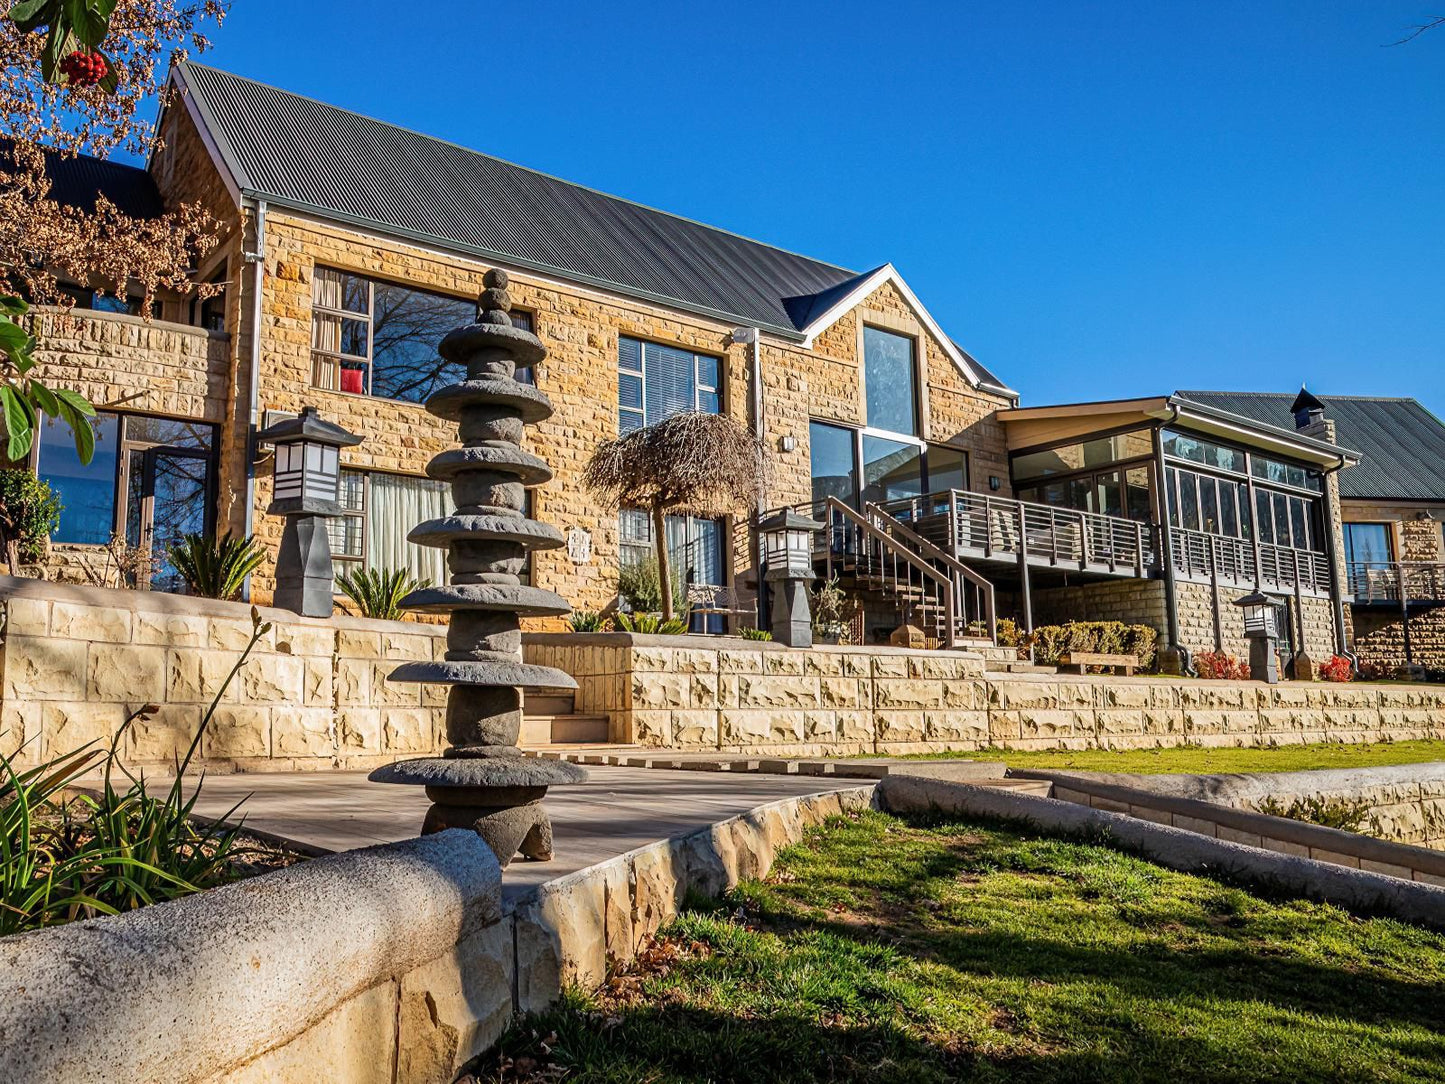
(890, 381)
(656, 381)
(87, 492)
(891, 469)
(832, 453)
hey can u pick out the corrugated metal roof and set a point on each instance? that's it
(75, 182)
(1402, 445)
(291, 149)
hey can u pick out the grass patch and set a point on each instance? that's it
(1192, 760)
(885, 950)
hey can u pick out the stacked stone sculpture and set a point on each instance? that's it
(482, 780)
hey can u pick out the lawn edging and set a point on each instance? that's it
(1356, 890)
(1241, 825)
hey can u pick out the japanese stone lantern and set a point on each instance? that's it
(482, 780)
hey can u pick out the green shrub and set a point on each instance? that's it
(1050, 642)
(639, 587)
(215, 568)
(1346, 814)
(1009, 633)
(587, 621)
(378, 592)
(755, 634)
(650, 624)
(29, 514)
(115, 851)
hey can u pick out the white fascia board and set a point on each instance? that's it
(888, 273)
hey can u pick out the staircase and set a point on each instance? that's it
(886, 559)
(550, 718)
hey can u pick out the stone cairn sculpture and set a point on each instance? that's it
(482, 780)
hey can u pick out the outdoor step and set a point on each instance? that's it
(1043, 788)
(563, 729)
(536, 702)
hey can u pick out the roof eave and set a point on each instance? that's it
(1287, 440)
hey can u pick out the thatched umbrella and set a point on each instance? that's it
(688, 464)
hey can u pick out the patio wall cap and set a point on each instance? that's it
(246, 966)
(701, 642)
(191, 606)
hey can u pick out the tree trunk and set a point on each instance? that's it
(664, 562)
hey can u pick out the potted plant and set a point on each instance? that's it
(831, 610)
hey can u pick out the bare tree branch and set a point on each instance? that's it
(1416, 31)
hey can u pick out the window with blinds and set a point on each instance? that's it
(656, 381)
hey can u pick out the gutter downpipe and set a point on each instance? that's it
(257, 260)
(753, 336)
(1337, 597)
(1180, 655)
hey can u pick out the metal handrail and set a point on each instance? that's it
(1242, 560)
(833, 506)
(957, 567)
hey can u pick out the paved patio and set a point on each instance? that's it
(616, 810)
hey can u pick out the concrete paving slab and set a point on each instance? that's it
(616, 810)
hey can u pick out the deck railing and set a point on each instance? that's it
(1375, 582)
(982, 525)
(1240, 561)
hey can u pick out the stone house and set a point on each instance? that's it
(1392, 510)
(351, 246)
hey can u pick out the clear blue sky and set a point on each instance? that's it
(1098, 199)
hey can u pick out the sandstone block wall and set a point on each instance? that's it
(1379, 637)
(1196, 621)
(688, 694)
(1134, 602)
(76, 661)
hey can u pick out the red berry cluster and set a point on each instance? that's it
(83, 69)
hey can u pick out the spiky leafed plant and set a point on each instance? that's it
(378, 592)
(689, 464)
(215, 567)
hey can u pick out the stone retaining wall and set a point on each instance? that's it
(391, 965)
(689, 693)
(75, 661)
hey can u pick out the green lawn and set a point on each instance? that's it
(882, 950)
(1192, 760)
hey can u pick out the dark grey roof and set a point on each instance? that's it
(302, 152)
(1401, 444)
(76, 182)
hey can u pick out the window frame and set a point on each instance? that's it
(358, 561)
(641, 373)
(920, 427)
(859, 433)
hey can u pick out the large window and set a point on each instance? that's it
(1069, 458)
(1367, 543)
(380, 509)
(149, 483)
(888, 469)
(1109, 475)
(656, 381)
(890, 381)
(380, 338)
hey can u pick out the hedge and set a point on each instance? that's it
(1049, 642)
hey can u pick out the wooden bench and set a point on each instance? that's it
(1085, 659)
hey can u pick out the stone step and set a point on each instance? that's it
(1041, 788)
(548, 702)
(567, 729)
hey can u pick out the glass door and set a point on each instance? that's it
(165, 501)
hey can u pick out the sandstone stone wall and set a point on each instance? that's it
(581, 329)
(1196, 621)
(764, 698)
(76, 661)
(158, 367)
(1379, 637)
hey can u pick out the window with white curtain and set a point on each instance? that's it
(380, 509)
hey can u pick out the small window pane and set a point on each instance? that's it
(708, 402)
(629, 355)
(947, 468)
(890, 381)
(87, 492)
(834, 472)
(628, 420)
(354, 334)
(168, 431)
(1208, 506)
(707, 371)
(891, 469)
(355, 293)
(1140, 506)
(1264, 510)
(1188, 501)
(1281, 519)
(353, 490)
(629, 391)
